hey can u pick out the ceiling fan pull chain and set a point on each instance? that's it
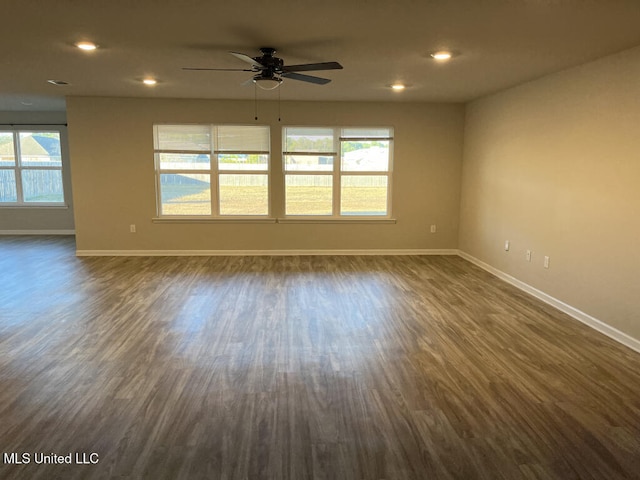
(255, 99)
(279, 103)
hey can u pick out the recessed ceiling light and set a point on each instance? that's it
(59, 83)
(86, 46)
(442, 55)
(398, 87)
(149, 81)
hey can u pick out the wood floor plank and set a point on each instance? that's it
(301, 367)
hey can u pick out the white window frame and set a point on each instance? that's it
(337, 173)
(18, 168)
(214, 172)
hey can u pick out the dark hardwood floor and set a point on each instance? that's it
(360, 367)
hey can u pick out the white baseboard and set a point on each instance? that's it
(37, 232)
(579, 315)
(232, 253)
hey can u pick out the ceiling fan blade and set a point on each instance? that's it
(248, 59)
(306, 78)
(219, 69)
(307, 67)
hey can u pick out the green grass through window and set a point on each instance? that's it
(302, 200)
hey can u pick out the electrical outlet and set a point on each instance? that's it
(132, 228)
(528, 255)
(433, 229)
(507, 244)
(546, 262)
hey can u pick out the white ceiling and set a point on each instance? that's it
(499, 43)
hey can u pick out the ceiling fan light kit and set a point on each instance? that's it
(266, 83)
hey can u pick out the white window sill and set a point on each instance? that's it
(35, 205)
(354, 219)
(290, 220)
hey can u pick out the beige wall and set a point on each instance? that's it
(554, 166)
(111, 147)
(34, 219)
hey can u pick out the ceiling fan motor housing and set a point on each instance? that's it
(269, 63)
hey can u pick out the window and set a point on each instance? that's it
(30, 168)
(223, 171)
(212, 170)
(337, 172)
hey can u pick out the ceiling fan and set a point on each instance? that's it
(270, 70)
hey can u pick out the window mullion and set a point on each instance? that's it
(215, 173)
(18, 153)
(389, 193)
(337, 168)
(158, 192)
